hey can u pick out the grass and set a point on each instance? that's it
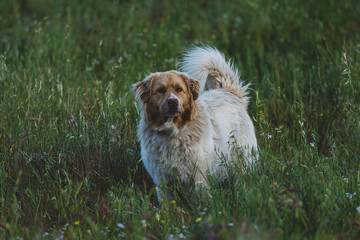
(69, 154)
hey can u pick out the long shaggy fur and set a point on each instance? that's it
(209, 131)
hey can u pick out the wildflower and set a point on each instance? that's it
(173, 202)
(358, 209)
(89, 231)
(198, 220)
(156, 189)
(157, 216)
(269, 136)
(182, 236)
(321, 114)
(74, 122)
(162, 222)
(77, 223)
(120, 225)
(143, 222)
(213, 236)
(260, 112)
(230, 224)
(121, 235)
(162, 200)
(207, 226)
(349, 195)
(43, 155)
(312, 144)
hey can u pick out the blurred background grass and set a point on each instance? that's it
(69, 153)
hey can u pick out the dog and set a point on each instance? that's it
(193, 123)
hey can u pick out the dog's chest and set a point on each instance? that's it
(180, 152)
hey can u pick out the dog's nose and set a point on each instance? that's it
(173, 103)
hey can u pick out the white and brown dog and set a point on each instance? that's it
(192, 132)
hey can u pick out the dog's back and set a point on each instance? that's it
(226, 99)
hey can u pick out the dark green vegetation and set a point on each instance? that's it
(69, 156)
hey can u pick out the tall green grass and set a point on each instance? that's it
(69, 157)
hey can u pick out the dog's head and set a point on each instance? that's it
(168, 95)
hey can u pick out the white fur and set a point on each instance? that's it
(203, 145)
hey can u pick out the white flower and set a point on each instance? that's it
(358, 209)
(120, 225)
(349, 195)
(182, 236)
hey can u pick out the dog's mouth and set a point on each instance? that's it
(172, 113)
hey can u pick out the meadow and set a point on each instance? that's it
(69, 157)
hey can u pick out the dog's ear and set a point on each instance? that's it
(142, 89)
(194, 87)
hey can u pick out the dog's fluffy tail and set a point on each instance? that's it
(208, 66)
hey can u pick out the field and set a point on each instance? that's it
(69, 157)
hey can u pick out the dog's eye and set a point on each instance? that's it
(161, 90)
(179, 89)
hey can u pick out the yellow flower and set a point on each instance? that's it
(321, 114)
(173, 202)
(162, 200)
(145, 30)
(260, 111)
(162, 221)
(198, 220)
(89, 231)
(77, 223)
